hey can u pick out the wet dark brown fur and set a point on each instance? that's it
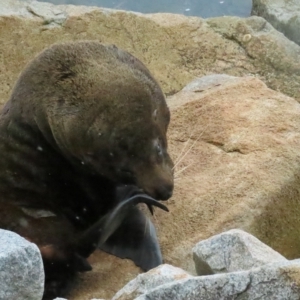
(83, 120)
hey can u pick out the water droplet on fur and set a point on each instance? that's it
(155, 114)
(82, 162)
(23, 222)
(39, 148)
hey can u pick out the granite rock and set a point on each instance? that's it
(276, 281)
(152, 279)
(230, 251)
(21, 268)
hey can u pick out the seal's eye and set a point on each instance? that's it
(159, 149)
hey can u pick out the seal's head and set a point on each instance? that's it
(101, 109)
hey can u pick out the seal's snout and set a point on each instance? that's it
(164, 192)
(157, 182)
(159, 188)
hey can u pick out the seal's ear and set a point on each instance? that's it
(135, 239)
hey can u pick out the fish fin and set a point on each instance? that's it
(135, 239)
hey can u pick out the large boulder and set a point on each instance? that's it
(175, 48)
(236, 147)
(21, 268)
(283, 15)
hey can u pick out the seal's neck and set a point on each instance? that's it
(27, 161)
(33, 171)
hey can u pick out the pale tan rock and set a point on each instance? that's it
(240, 168)
(175, 48)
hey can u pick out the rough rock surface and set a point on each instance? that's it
(21, 268)
(230, 251)
(283, 15)
(240, 167)
(175, 48)
(150, 280)
(276, 281)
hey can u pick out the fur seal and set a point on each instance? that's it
(82, 141)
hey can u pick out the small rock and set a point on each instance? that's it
(272, 281)
(230, 251)
(150, 280)
(51, 14)
(21, 268)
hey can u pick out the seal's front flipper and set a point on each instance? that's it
(135, 239)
